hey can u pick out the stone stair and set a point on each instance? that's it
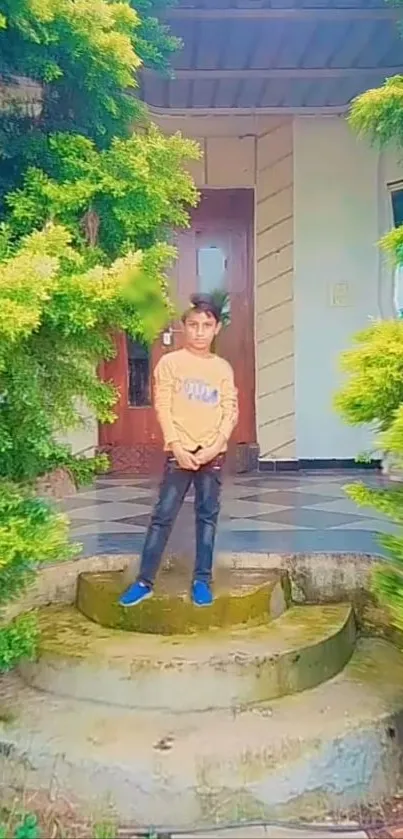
(183, 717)
(219, 669)
(254, 596)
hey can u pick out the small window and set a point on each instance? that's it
(397, 210)
(138, 357)
(397, 206)
(211, 269)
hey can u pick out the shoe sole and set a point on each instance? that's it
(202, 605)
(136, 602)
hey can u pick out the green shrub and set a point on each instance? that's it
(31, 533)
(18, 641)
(374, 390)
(23, 826)
(83, 469)
(373, 394)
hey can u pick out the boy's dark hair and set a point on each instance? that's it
(203, 303)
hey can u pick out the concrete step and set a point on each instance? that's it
(268, 831)
(221, 668)
(240, 597)
(300, 756)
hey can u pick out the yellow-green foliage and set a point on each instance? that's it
(373, 390)
(31, 533)
(378, 113)
(85, 54)
(373, 393)
(86, 209)
(392, 244)
(138, 187)
(113, 194)
(58, 316)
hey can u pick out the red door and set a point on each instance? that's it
(215, 253)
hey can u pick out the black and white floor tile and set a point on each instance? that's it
(285, 513)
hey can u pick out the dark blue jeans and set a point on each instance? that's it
(175, 484)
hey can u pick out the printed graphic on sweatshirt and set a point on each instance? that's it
(196, 390)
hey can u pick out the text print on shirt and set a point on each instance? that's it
(196, 390)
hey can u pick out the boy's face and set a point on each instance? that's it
(200, 330)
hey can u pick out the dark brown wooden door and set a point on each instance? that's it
(216, 252)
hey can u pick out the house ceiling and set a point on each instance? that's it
(279, 56)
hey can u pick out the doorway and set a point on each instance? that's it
(214, 254)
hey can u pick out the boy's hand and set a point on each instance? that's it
(208, 454)
(211, 452)
(186, 460)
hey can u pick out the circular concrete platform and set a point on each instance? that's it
(253, 597)
(334, 746)
(223, 668)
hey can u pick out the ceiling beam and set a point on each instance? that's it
(284, 73)
(306, 110)
(347, 14)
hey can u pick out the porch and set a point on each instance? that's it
(284, 514)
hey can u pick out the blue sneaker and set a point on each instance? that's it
(201, 593)
(135, 594)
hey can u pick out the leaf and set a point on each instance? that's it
(28, 829)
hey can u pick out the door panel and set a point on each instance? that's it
(218, 252)
(135, 425)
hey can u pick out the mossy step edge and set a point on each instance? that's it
(172, 614)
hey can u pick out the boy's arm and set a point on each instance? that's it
(229, 403)
(163, 387)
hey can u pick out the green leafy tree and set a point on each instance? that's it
(87, 204)
(84, 55)
(77, 162)
(57, 316)
(373, 392)
(136, 190)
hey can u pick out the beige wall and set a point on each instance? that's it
(342, 206)
(274, 292)
(242, 151)
(84, 440)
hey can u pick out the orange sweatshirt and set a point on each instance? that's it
(195, 399)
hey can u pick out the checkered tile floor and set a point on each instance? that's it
(285, 513)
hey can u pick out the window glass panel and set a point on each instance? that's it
(211, 274)
(138, 357)
(398, 292)
(397, 206)
(211, 269)
(397, 209)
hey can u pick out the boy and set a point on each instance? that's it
(197, 408)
